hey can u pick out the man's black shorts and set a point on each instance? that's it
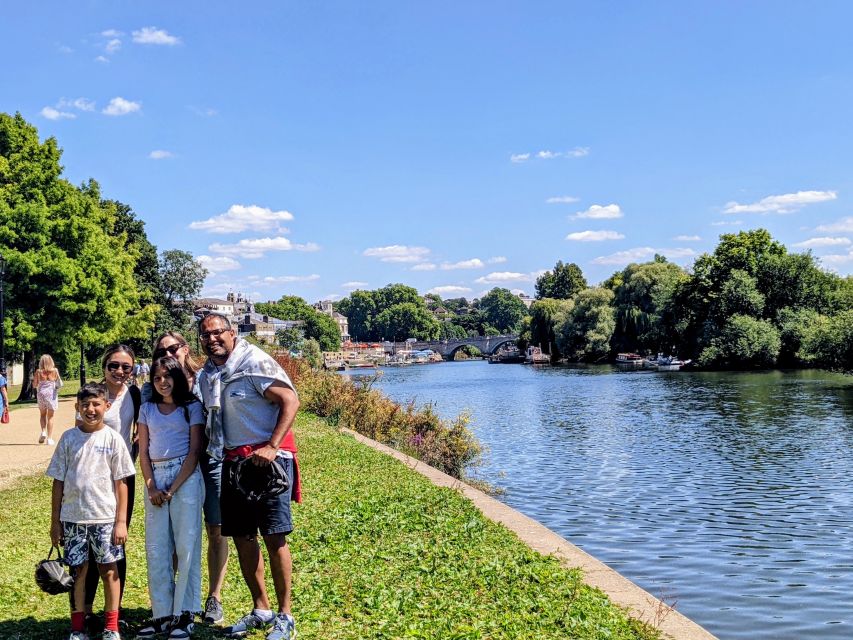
(267, 516)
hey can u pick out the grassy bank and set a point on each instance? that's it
(379, 553)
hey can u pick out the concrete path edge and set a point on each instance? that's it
(639, 603)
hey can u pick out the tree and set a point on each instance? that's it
(740, 295)
(585, 333)
(503, 310)
(407, 320)
(392, 294)
(829, 343)
(317, 325)
(545, 316)
(181, 278)
(291, 339)
(562, 283)
(360, 309)
(744, 342)
(70, 268)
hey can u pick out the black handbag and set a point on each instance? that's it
(51, 576)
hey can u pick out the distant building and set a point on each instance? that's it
(264, 327)
(203, 306)
(325, 306)
(526, 299)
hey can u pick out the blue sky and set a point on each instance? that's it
(310, 148)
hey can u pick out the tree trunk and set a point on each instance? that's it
(29, 371)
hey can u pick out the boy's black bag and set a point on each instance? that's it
(51, 576)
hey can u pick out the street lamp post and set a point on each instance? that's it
(2, 316)
(82, 366)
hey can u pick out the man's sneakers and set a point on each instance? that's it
(284, 628)
(253, 620)
(183, 626)
(213, 611)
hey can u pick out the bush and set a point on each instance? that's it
(744, 342)
(447, 445)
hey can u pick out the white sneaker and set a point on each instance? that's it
(42, 437)
(50, 442)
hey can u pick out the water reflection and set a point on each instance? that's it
(728, 492)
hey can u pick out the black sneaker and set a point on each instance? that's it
(94, 624)
(213, 613)
(183, 626)
(155, 627)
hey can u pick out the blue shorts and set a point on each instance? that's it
(79, 539)
(211, 471)
(268, 516)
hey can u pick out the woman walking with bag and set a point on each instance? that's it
(170, 435)
(46, 382)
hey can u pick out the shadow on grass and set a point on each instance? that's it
(30, 628)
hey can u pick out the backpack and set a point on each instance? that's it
(136, 397)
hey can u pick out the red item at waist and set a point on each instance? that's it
(244, 451)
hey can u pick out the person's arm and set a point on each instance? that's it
(5, 396)
(288, 404)
(120, 527)
(55, 509)
(190, 462)
(155, 495)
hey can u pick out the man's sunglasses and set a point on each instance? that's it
(171, 350)
(115, 366)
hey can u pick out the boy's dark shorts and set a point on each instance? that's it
(267, 516)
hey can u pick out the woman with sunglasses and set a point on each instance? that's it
(117, 364)
(172, 343)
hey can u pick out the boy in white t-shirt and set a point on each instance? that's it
(89, 504)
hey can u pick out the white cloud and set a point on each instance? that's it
(594, 236)
(687, 238)
(112, 46)
(786, 203)
(205, 112)
(425, 266)
(54, 114)
(258, 247)
(562, 200)
(160, 154)
(726, 223)
(217, 265)
(825, 241)
(473, 263)
(519, 157)
(837, 259)
(449, 290)
(599, 212)
(353, 284)
(82, 104)
(578, 152)
(102, 59)
(845, 225)
(398, 253)
(63, 48)
(118, 106)
(153, 35)
(496, 260)
(289, 279)
(499, 277)
(112, 33)
(547, 155)
(241, 217)
(639, 254)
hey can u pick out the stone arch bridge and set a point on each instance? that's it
(448, 348)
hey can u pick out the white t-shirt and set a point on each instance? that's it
(89, 464)
(169, 435)
(119, 417)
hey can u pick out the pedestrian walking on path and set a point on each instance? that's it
(46, 382)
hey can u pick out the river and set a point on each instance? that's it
(729, 494)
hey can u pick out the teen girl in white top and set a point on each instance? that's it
(170, 435)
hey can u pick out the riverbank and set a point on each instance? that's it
(380, 552)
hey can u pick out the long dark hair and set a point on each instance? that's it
(181, 393)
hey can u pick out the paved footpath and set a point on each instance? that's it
(20, 452)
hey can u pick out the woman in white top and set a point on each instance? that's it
(170, 435)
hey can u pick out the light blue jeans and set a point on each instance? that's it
(174, 528)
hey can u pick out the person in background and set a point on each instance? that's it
(46, 382)
(170, 435)
(172, 343)
(251, 406)
(89, 506)
(4, 396)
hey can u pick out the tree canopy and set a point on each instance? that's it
(561, 283)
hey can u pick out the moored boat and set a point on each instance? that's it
(629, 360)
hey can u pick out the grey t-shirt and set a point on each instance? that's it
(248, 417)
(169, 435)
(89, 464)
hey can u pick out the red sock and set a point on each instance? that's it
(78, 620)
(111, 620)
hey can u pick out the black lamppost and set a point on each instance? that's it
(2, 316)
(82, 366)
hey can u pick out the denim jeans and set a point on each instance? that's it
(174, 528)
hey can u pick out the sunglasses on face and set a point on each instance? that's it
(215, 333)
(115, 366)
(171, 350)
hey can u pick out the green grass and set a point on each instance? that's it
(378, 551)
(69, 390)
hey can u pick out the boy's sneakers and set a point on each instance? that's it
(284, 628)
(246, 623)
(155, 627)
(213, 611)
(111, 635)
(183, 626)
(78, 635)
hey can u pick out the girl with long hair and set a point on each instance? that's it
(46, 382)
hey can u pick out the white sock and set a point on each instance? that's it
(264, 614)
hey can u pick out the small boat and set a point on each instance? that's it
(670, 363)
(535, 356)
(629, 360)
(506, 356)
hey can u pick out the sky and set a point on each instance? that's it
(313, 148)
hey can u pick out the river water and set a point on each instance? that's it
(730, 494)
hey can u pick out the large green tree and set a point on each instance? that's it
(181, 280)
(545, 316)
(503, 310)
(585, 333)
(407, 320)
(562, 282)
